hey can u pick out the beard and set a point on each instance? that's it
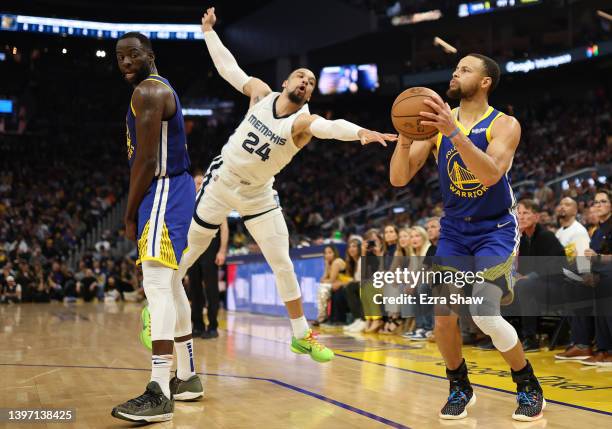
(141, 74)
(294, 97)
(459, 93)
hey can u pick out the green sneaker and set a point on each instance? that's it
(309, 345)
(145, 334)
(186, 390)
(151, 406)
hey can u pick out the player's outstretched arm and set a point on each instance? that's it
(408, 158)
(148, 101)
(489, 166)
(306, 126)
(226, 64)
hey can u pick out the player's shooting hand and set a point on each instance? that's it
(209, 19)
(443, 118)
(130, 230)
(369, 136)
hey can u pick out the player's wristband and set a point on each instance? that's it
(454, 133)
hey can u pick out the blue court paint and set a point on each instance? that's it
(552, 401)
(347, 407)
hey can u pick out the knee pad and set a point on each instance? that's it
(270, 232)
(502, 333)
(487, 316)
(157, 284)
(182, 326)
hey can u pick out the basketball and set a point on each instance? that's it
(232, 233)
(405, 113)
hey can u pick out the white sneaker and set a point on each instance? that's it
(359, 327)
(352, 325)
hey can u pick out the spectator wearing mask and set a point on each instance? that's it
(534, 271)
(575, 240)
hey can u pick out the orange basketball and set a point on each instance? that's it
(405, 113)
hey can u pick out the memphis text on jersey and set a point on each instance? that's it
(266, 131)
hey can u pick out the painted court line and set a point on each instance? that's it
(347, 407)
(497, 389)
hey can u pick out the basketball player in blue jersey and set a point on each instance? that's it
(474, 149)
(159, 209)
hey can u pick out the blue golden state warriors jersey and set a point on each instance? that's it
(172, 156)
(462, 193)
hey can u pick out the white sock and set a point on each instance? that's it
(160, 372)
(185, 366)
(300, 327)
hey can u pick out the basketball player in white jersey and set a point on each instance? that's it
(275, 128)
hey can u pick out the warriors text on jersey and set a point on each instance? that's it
(166, 209)
(462, 193)
(262, 144)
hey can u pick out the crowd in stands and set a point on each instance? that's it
(347, 294)
(63, 165)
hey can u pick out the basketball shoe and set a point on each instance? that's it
(151, 406)
(186, 390)
(309, 345)
(461, 395)
(529, 395)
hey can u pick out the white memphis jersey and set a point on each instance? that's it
(262, 144)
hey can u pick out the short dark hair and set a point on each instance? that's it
(144, 40)
(530, 205)
(491, 70)
(604, 191)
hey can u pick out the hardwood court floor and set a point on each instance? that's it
(87, 357)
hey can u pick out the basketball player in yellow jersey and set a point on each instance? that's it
(275, 128)
(474, 150)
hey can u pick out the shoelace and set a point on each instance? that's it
(527, 398)
(457, 397)
(145, 398)
(311, 338)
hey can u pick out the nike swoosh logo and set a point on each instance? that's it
(501, 225)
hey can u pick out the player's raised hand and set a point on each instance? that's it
(443, 118)
(369, 136)
(209, 19)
